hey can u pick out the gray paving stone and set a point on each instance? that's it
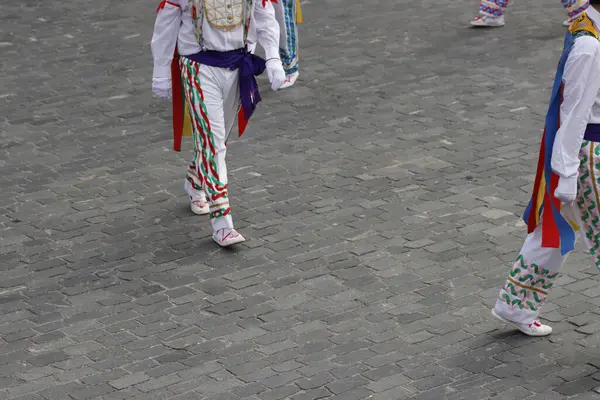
(279, 393)
(249, 389)
(513, 393)
(586, 396)
(129, 380)
(383, 372)
(313, 394)
(90, 392)
(314, 382)
(576, 387)
(550, 395)
(387, 383)
(577, 372)
(344, 385)
(158, 383)
(47, 359)
(279, 380)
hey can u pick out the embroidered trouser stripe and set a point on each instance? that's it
(588, 199)
(209, 151)
(493, 8)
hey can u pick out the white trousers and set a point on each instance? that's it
(213, 99)
(536, 269)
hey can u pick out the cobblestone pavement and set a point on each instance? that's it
(382, 212)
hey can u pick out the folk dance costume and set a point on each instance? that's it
(201, 60)
(566, 195)
(492, 12)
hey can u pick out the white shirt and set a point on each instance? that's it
(174, 26)
(581, 101)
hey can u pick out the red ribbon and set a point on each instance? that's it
(163, 3)
(178, 102)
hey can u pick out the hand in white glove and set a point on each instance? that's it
(275, 73)
(162, 87)
(566, 191)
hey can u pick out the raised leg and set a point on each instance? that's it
(529, 281)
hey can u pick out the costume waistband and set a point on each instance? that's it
(249, 66)
(225, 59)
(592, 133)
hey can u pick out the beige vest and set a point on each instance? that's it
(220, 14)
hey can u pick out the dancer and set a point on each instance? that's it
(209, 39)
(566, 195)
(492, 12)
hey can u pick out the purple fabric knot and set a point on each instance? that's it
(248, 64)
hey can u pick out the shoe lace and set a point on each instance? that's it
(225, 233)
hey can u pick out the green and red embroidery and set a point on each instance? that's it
(527, 285)
(589, 182)
(204, 165)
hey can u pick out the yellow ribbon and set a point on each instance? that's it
(299, 19)
(187, 122)
(583, 23)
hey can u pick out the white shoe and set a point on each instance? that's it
(534, 329)
(198, 202)
(487, 21)
(227, 237)
(567, 22)
(290, 80)
(199, 206)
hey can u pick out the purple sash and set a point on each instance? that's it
(250, 65)
(592, 133)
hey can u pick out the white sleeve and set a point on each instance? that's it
(267, 28)
(581, 85)
(164, 38)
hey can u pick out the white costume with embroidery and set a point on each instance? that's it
(574, 160)
(212, 93)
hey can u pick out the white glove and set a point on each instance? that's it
(566, 191)
(162, 87)
(275, 73)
